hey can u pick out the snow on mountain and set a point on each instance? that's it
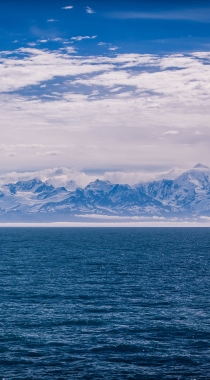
(98, 187)
(186, 195)
(31, 185)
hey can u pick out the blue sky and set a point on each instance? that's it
(134, 26)
(104, 86)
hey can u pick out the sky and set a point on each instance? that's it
(104, 87)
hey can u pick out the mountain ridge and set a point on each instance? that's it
(188, 195)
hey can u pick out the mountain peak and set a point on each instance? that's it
(98, 183)
(200, 166)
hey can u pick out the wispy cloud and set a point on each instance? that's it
(80, 38)
(43, 41)
(68, 7)
(52, 20)
(50, 153)
(8, 147)
(32, 44)
(172, 133)
(113, 48)
(89, 10)
(69, 49)
(191, 14)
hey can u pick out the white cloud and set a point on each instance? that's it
(95, 92)
(32, 44)
(121, 218)
(8, 147)
(52, 20)
(172, 133)
(113, 48)
(36, 66)
(89, 10)
(80, 38)
(67, 177)
(116, 89)
(50, 153)
(70, 49)
(207, 218)
(68, 7)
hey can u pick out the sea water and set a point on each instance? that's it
(104, 303)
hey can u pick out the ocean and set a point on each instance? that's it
(104, 303)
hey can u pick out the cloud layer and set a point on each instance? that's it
(128, 111)
(71, 178)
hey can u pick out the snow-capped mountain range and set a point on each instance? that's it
(188, 195)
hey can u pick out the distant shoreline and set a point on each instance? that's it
(106, 224)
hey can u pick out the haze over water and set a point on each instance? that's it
(123, 303)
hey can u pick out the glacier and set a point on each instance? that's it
(186, 196)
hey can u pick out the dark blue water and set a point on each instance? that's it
(85, 303)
